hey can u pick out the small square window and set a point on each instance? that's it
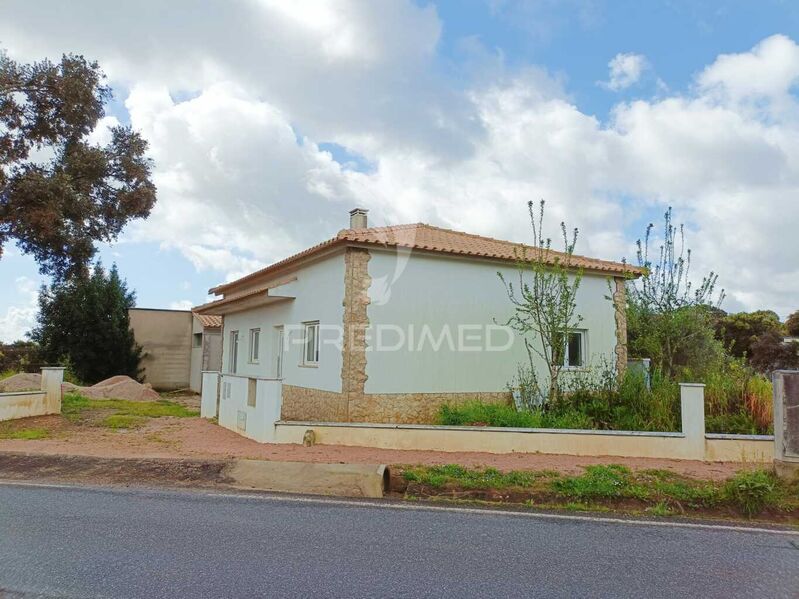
(197, 340)
(311, 344)
(255, 342)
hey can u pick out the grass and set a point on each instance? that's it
(73, 405)
(122, 421)
(656, 492)
(125, 414)
(473, 413)
(4, 374)
(24, 433)
(439, 476)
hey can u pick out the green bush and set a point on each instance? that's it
(600, 482)
(502, 415)
(488, 478)
(732, 424)
(476, 412)
(751, 491)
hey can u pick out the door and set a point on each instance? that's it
(279, 353)
(233, 358)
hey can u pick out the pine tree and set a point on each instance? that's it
(83, 322)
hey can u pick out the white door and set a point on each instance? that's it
(279, 353)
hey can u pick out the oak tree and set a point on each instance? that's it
(60, 192)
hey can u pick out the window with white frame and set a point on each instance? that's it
(310, 346)
(573, 350)
(255, 342)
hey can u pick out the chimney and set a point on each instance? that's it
(358, 218)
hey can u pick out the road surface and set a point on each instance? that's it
(93, 542)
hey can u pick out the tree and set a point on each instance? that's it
(669, 319)
(739, 331)
(792, 324)
(770, 352)
(59, 192)
(84, 322)
(544, 304)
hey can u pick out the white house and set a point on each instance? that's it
(385, 324)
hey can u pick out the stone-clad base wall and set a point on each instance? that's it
(300, 403)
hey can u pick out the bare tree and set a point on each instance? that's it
(545, 305)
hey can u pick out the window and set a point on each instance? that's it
(197, 340)
(574, 350)
(255, 341)
(233, 352)
(310, 355)
(572, 354)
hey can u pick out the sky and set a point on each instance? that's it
(268, 120)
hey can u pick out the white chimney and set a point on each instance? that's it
(358, 218)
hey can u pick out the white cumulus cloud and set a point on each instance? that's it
(624, 70)
(239, 102)
(19, 319)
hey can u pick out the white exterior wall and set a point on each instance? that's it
(444, 291)
(319, 293)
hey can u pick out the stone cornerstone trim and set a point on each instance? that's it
(353, 404)
(356, 322)
(620, 306)
(304, 404)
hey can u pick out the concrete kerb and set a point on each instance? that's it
(344, 480)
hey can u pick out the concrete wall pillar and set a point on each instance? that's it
(692, 411)
(786, 421)
(52, 377)
(210, 394)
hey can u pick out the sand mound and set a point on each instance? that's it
(120, 387)
(24, 381)
(116, 387)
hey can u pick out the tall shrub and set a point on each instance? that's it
(84, 323)
(670, 319)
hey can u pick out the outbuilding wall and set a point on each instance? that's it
(165, 336)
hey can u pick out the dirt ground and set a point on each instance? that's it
(196, 438)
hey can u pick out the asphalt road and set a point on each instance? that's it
(87, 542)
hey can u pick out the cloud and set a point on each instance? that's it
(20, 319)
(181, 305)
(624, 71)
(240, 99)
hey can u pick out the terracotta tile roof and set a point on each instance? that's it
(421, 236)
(209, 321)
(435, 239)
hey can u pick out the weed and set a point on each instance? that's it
(660, 509)
(122, 421)
(751, 491)
(600, 482)
(73, 405)
(24, 433)
(488, 478)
